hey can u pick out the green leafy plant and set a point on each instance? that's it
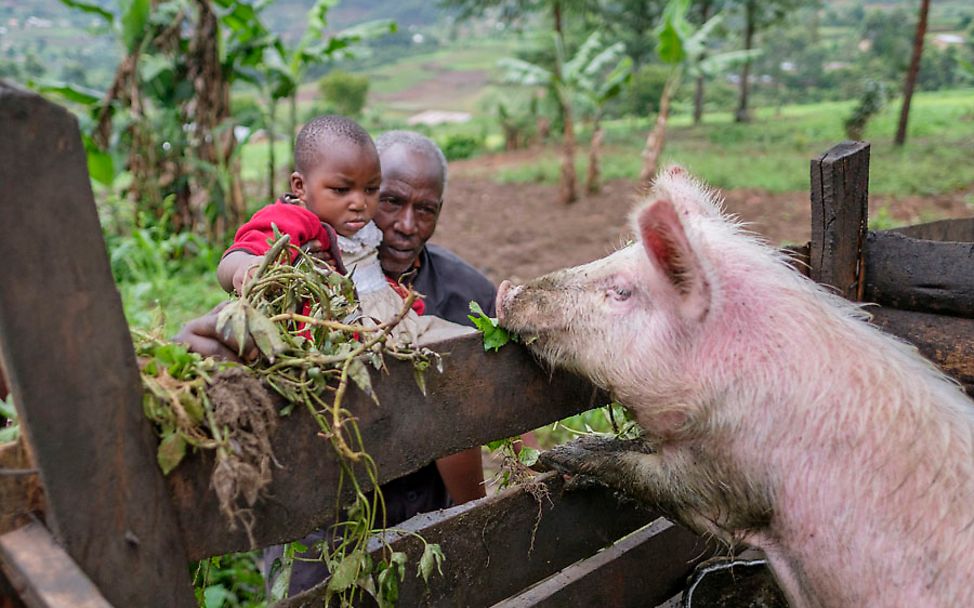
(9, 426)
(495, 336)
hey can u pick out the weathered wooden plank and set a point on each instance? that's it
(43, 575)
(947, 341)
(959, 230)
(840, 188)
(487, 543)
(71, 367)
(479, 397)
(923, 275)
(643, 569)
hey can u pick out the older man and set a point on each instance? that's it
(414, 175)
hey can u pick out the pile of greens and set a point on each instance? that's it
(300, 327)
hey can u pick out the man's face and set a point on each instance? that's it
(410, 199)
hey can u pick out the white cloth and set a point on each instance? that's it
(379, 301)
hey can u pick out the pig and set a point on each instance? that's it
(773, 414)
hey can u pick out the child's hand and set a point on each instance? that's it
(328, 255)
(243, 274)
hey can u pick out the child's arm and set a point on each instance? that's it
(234, 267)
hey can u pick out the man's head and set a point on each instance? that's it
(413, 183)
(337, 172)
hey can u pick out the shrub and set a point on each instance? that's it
(874, 98)
(344, 92)
(458, 146)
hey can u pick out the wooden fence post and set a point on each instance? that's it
(68, 356)
(840, 192)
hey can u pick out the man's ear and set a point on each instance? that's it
(297, 185)
(670, 253)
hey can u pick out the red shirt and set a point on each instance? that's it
(303, 226)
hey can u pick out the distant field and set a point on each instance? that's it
(772, 152)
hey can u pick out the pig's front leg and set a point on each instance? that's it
(634, 468)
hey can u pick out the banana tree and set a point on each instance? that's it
(603, 75)
(683, 47)
(316, 47)
(587, 73)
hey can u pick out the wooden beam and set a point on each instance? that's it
(947, 341)
(644, 569)
(71, 368)
(487, 543)
(43, 575)
(840, 191)
(959, 230)
(479, 397)
(923, 275)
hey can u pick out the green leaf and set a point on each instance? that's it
(360, 376)
(70, 92)
(232, 322)
(670, 47)
(494, 335)
(9, 433)
(495, 445)
(528, 456)
(432, 558)
(346, 573)
(172, 448)
(135, 14)
(265, 333)
(101, 167)
(214, 596)
(91, 8)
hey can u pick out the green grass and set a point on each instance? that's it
(773, 152)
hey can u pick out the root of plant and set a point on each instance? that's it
(313, 341)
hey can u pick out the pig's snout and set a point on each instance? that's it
(505, 294)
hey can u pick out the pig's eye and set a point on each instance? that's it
(620, 293)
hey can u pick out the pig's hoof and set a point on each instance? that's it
(579, 483)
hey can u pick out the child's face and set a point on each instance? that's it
(342, 189)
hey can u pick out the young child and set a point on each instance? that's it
(335, 190)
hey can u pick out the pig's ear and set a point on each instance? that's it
(670, 253)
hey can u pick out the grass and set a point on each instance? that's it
(773, 152)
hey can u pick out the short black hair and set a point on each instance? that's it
(315, 133)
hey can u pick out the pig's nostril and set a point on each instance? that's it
(499, 304)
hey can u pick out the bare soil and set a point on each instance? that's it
(519, 231)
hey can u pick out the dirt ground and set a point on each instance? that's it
(519, 231)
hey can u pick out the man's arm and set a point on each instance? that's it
(463, 475)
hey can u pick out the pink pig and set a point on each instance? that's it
(774, 414)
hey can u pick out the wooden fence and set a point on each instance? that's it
(109, 529)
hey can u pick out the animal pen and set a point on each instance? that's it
(88, 519)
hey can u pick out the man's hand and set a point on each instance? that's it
(201, 336)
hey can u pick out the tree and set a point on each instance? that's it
(911, 74)
(520, 72)
(758, 15)
(345, 93)
(684, 48)
(601, 77)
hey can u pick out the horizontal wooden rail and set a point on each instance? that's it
(42, 574)
(947, 341)
(488, 543)
(646, 568)
(959, 230)
(478, 398)
(917, 274)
